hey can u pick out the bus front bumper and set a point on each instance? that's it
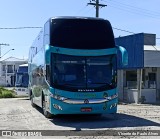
(87, 107)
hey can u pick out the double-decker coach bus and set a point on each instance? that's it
(73, 67)
(21, 84)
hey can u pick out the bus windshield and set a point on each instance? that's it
(76, 73)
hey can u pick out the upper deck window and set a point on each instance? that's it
(82, 34)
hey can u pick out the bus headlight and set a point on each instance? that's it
(112, 97)
(61, 98)
(58, 97)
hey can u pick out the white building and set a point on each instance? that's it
(8, 69)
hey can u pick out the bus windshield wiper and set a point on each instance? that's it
(101, 83)
(70, 84)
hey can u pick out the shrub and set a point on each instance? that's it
(5, 93)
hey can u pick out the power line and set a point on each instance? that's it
(123, 30)
(133, 9)
(128, 31)
(82, 9)
(22, 28)
(88, 11)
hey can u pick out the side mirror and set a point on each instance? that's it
(124, 55)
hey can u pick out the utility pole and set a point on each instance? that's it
(96, 5)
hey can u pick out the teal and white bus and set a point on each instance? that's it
(73, 67)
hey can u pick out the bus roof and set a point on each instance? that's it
(76, 17)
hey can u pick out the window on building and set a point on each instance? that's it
(14, 68)
(131, 79)
(9, 69)
(4, 67)
(151, 80)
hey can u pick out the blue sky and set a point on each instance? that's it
(131, 15)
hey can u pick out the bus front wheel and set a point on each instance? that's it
(45, 112)
(32, 103)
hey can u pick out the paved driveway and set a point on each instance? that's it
(18, 114)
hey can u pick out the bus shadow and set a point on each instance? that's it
(96, 121)
(104, 121)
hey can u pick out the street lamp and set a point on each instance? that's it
(2, 44)
(6, 53)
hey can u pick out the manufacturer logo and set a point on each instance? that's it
(85, 90)
(86, 101)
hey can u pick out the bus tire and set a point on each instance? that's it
(32, 103)
(45, 112)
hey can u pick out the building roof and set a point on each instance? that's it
(151, 48)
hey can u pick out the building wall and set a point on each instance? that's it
(151, 58)
(134, 46)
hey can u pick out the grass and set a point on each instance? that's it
(5, 93)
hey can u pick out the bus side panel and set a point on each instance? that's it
(36, 69)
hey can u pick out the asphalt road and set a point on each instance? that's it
(18, 114)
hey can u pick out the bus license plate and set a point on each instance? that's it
(86, 109)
